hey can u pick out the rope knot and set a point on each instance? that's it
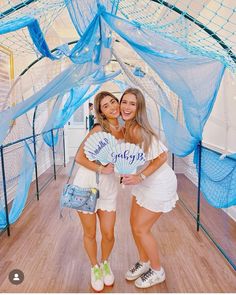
(101, 9)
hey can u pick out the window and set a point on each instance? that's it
(78, 116)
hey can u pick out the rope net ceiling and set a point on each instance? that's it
(195, 24)
(44, 11)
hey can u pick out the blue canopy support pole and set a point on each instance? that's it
(199, 183)
(16, 7)
(53, 156)
(41, 57)
(173, 161)
(219, 247)
(17, 141)
(224, 253)
(35, 155)
(64, 147)
(5, 191)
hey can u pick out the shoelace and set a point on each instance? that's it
(147, 275)
(136, 267)
(97, 273)
(106, 268)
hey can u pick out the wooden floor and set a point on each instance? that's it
(218, 224)
(50, 250)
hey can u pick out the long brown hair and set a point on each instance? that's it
(102, 120)
(140, 119)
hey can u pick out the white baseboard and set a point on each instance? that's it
(231, 212)
(192, 177)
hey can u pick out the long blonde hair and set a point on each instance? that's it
(140, 119)
(101, 118)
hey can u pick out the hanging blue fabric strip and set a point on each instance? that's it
(78, 96)
(16, 24)
(83, 50)
(180, 142)
(22, 188)
(47, 136)
(59, 117)
(76, 9)
(34, 30)
(71, 77)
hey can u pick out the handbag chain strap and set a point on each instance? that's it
(71, 171)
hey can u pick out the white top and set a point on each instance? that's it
(156, 148)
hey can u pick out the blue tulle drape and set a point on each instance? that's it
(22, 188)
(35, 33)
(195, 79)
(60, 117)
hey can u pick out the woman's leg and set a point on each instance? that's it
(141, 226)
(133, 215)
(90, 244)
(107, 224)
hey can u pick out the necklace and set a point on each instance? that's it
(117, 127)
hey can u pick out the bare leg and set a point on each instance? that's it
(133, 215)
(89, 227)
(143, 222)
(107, 224)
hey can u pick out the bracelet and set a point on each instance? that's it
(99, 169)
(143, 177)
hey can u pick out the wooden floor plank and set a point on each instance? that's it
(216, 221)
(50, 253)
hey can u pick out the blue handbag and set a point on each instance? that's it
(82, 199)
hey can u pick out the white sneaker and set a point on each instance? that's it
(150, 278)
(97, 278)
(137, 270)
(108, 277)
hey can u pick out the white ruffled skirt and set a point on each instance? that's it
(158, 192)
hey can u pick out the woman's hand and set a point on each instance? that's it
(108, 169)
(131, 179)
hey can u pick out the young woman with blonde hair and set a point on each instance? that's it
(107, 112)
(154, 189)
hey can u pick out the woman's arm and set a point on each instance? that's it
(81, 158)
(155, 164)
(152, 167)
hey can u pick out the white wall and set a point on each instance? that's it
(220, 129)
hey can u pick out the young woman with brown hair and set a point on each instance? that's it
(154, 189)
(107, 112)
